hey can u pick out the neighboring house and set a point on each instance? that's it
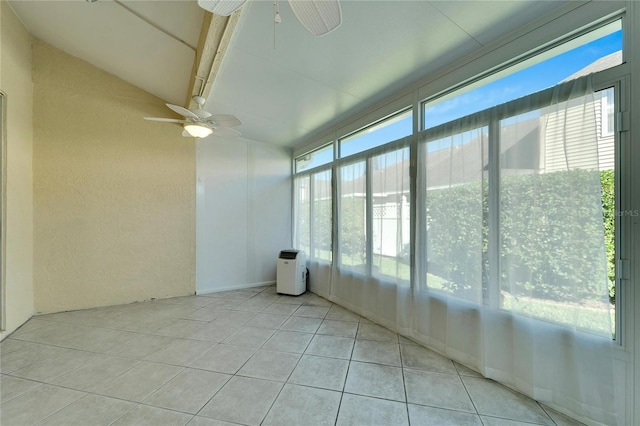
(605, 124)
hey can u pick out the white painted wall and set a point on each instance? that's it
(16, 83)
(243, 212)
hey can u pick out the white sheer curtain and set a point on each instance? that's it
(321, 253)
(513, 278)
(509, 274)
(371, 273)
(313, 226)
(451, 239)
(302, 215)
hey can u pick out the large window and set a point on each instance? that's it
(322, 205)
(515, 191)
(490, 234)
(315, 158)
(530, 244)
(390, 215)
(374, 214)
(302, 214)
(454, 166)
(313, 215)
(388, 129)
(552, 253)
(591, 52)
(518, 205)
(352, 214)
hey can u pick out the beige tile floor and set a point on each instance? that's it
(245, 357)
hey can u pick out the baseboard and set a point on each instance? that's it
(4, 333)
(233, 287)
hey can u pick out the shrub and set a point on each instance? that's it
(550, 235)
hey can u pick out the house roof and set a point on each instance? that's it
(603, 63)
(449, 166)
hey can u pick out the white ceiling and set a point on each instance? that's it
(306, 84)
(108, 35)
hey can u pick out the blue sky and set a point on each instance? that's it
(529, 80)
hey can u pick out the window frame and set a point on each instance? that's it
(328, 145)
(419, 100)
(3, 206)
(310, 174)
(609, 78)
(366, 156)
(607, 129)
(374, 126)
(521, 62)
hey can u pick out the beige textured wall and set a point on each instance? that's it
(114, 194)
(15, 82)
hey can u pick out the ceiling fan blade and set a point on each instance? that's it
(183, 111)
(225, 120)
(226, 132)
(221, 7)
(166, 120)
(319, 17)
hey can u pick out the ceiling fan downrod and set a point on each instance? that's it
(276, 20)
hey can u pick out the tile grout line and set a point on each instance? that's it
(183, 367)
(229, 379)
(346, 376)
(546, 412)
(285, 382)
(60, 409)
(86, 393)
(468, 394)
(404, 384)
(262, 347)
(124, 414)
(231, 376)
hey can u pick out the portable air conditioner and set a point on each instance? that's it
(291, 273)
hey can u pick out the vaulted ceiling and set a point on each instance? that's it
(282, 83)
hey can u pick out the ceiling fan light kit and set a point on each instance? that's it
(198, 130)
(319, 17)
(199, 123)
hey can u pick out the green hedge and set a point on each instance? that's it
(456, 225)
(353, 244)
(537, 236)
(549, 237)
(608, 208)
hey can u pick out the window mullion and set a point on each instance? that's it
(336, 201)
(312, 197)
(622, 168)
(492, 276)
(416, 213)
(369, 217)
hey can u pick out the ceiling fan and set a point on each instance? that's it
(199, 123)
(319, 17)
